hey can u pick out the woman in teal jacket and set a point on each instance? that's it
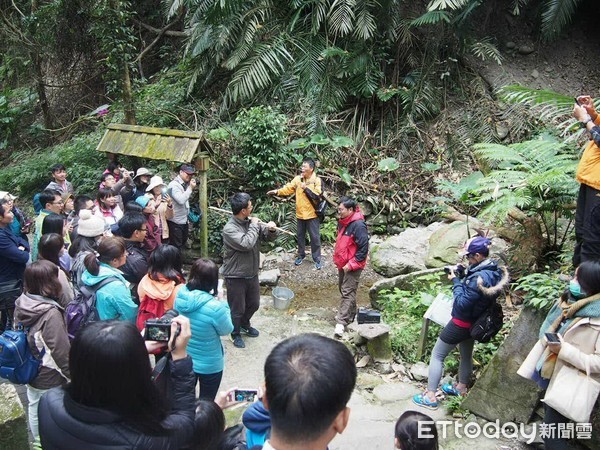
(210, 318)
(113, 299)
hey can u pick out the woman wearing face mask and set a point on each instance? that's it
(565, 362)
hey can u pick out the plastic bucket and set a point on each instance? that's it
(282, 297)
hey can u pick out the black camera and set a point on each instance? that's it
(160, 329)
(368, 316)
(459, 270)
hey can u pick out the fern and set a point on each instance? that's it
(431, 18)
(484, 49)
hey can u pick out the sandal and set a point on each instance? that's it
(423, 400)
(451, 389)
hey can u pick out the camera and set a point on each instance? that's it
(459, 270)
(160, 329)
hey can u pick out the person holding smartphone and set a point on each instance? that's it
(565, 361)
(587, 218)
(111, 401)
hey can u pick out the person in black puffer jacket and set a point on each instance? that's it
(473, 293)
(111, 401)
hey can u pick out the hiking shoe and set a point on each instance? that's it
(298, 260)
(339, 330)
(250, 331)
(423, 400)
(237, 340)
(318, 265)
(450, 389)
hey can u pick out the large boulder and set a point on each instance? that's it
(403, 253)
(13, 421)
(448, 239)
(403, 282)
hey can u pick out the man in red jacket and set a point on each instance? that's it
(350, 257)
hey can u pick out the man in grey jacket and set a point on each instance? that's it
(180, 191)
(241, 241)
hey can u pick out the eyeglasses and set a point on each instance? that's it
(144, 230)
(60, 202)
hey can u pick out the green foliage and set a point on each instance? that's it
(14, 104)
(261, 135)
(329, 231)
(541, 289)
(216, 222)
(453, 404)
(28, 174)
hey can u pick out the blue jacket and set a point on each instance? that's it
(210, 318)
(474, 292)
(113, 300)
(13, 260)
(257, 421)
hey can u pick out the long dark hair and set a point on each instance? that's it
(41, 278)
(103, 193)
(110, 369)
(204, 275)
(588, 276)
(209, 425)
(166, 261)
(53, 223)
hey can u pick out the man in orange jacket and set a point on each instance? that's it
(306, 186)
(587, 218)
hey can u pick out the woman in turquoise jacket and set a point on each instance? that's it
(113, 299)
(210, 318)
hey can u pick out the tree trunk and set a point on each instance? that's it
(128, 98)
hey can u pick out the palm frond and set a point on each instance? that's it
(365, 24)
(430, 18)
(485, 49)
(340, 17)
(556, 15)
(437, 5)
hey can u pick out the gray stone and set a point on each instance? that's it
(419, 371)
(380, 348)
(369, 330)
(500, 393)
(403, 253)
(393, 392)
(269, 277)
(510, 45)
(386, 369)
(535, 73)
(445, 243)
(502, 130)
(368, 380)
(13, 421)
(363, 362)
(402, 282)
(526, 49)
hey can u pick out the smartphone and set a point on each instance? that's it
(164, 192)
(245, 395)
(157, 331)
(552, 338)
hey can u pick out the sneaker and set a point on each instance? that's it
(450, 389)
(237, 341)
(339, 330)
(250, 331)
(298, 260)
(318, 265)
(423, 400)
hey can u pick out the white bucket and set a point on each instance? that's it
(282, 297)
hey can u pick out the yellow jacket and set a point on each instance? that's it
(304, 208)
(588, 171)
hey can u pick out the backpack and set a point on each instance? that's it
(488, 324)
(149, 309)
(37, 204)
(17, 363)
(82, 309)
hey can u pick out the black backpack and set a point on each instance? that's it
(82, 309)
(488, 324)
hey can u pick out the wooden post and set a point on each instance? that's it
(422, 339)
(202, 162)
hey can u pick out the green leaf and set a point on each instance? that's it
(388, 165)
(341, 141)
(431, 167)
(319, 139)
(345, 175)
(298, 143)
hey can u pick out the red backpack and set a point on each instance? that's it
(150, 308)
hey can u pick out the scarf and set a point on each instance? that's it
(563, 315)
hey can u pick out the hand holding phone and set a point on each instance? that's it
(244, 395)
(552, 338)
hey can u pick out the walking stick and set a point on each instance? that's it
(224, 211)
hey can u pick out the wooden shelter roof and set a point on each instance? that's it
(154, 143)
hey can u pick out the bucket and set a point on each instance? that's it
(282, 297)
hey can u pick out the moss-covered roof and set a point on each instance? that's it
(154, 143)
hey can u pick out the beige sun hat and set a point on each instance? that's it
(154, 182)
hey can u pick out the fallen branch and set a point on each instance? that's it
(224, 211)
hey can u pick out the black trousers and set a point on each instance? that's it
(209, 384)
(314, 232)
(243, 296)
(178, 234)
(587, 225)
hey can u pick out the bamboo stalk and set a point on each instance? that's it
(224, 211)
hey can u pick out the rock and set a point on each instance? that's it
(269, 277)
(13, 421)
(358, 340)
(419, 371)
(386, 369)
(367, 380)
(510, 45)
(366, 208)
(402, 282)
(393, 392)
(500, 393)
(525, 49)
(445, 243)
(380, 348)
(403, 253)
(400, 368)
(369, 330)
(535, 73)
(363, 362)
(502, 130)
(379, 219)
(261, 260)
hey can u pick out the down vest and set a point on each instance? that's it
(210, 319)
(66, 424)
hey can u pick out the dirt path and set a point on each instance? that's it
(377, 401)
